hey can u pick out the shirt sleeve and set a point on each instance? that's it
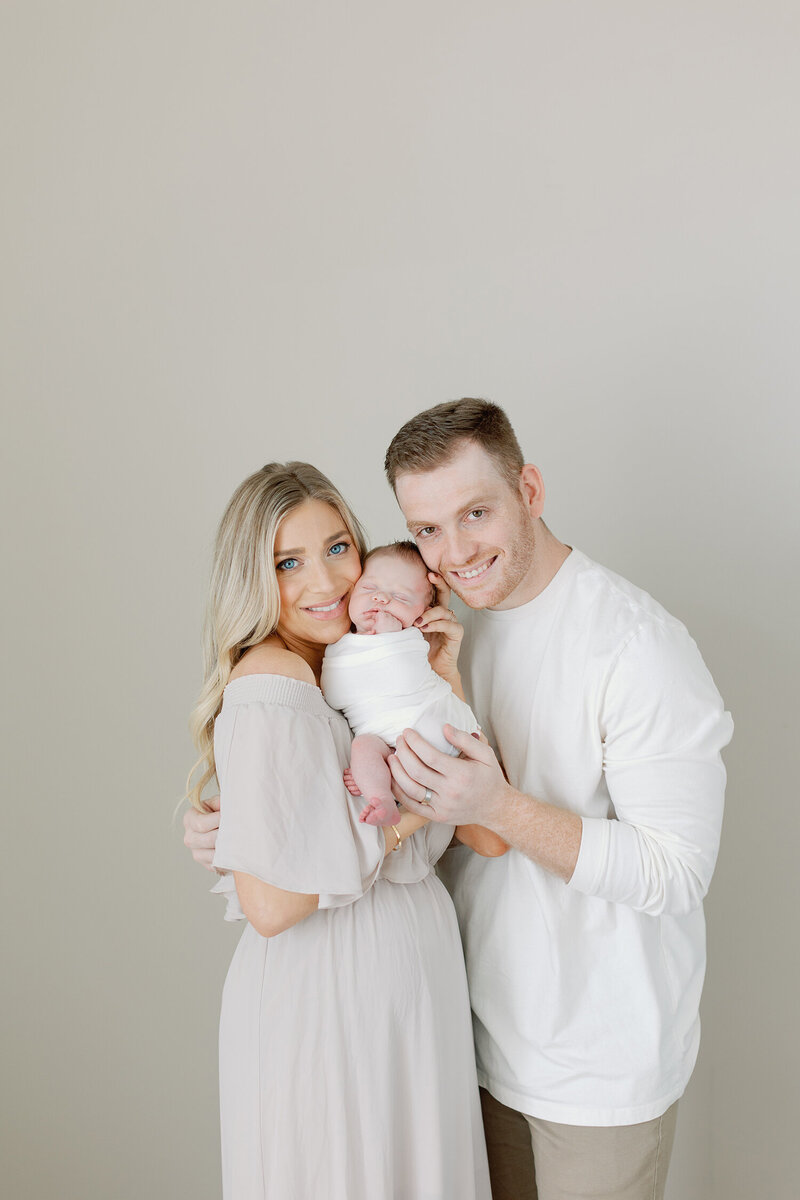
(285, 815)
(663, 726)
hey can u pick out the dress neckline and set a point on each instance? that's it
(275, 689)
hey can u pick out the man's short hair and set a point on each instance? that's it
(433, 437)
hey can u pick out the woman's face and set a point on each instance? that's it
(316, 563)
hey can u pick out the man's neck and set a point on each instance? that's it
(549, 554)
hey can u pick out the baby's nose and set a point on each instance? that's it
(381, 597)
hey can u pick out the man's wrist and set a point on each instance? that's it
(545, 833)
(502, 808)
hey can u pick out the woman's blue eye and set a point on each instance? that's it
(340, 547)
(288, 564)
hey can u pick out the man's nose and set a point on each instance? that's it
(457, 549)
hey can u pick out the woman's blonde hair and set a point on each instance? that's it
(244, 602)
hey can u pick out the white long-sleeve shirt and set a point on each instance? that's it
(585, 995)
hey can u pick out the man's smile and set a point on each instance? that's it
(473, 574)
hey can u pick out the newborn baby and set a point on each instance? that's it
(380, 677)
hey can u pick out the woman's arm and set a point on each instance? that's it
(263, 741)
(271, 910)
(408, 824)
(483, 841)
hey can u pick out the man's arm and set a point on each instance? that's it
(472, 790)
(662, 726)
(200, 832)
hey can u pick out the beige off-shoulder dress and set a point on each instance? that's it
(346, 1056)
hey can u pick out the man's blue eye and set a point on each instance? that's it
(288, 564)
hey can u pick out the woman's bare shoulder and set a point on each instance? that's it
(272, 658)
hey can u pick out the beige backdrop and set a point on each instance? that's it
(244, 231)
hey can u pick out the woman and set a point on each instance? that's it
(346, 1060)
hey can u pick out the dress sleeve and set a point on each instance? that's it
(285, 816)
(663, 727)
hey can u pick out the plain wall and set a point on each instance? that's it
(247, 231)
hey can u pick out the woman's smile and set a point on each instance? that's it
(331, 611)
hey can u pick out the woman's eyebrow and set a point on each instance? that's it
(301, 549)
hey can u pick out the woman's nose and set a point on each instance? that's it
(321, 576)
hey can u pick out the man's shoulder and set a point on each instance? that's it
(587, 589)
(630, 636)
(612, 601)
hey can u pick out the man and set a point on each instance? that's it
(585, 943)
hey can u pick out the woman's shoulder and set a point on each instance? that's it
(272, 658)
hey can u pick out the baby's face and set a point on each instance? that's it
(391, 585)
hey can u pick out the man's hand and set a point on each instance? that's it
(201, 832)
(470, 790)
(441, 631)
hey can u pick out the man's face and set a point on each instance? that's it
(472, 527)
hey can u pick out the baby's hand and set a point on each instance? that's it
(386, 623)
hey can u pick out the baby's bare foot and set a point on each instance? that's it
(380, 811)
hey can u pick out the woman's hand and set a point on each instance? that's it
(443, 633)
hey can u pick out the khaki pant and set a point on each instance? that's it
(531, 1159)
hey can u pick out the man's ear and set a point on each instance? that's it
(531, 487)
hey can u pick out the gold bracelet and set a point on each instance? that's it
(399, 839)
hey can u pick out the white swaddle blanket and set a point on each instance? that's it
(383, 683)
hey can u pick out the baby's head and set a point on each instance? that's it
(394, 581)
